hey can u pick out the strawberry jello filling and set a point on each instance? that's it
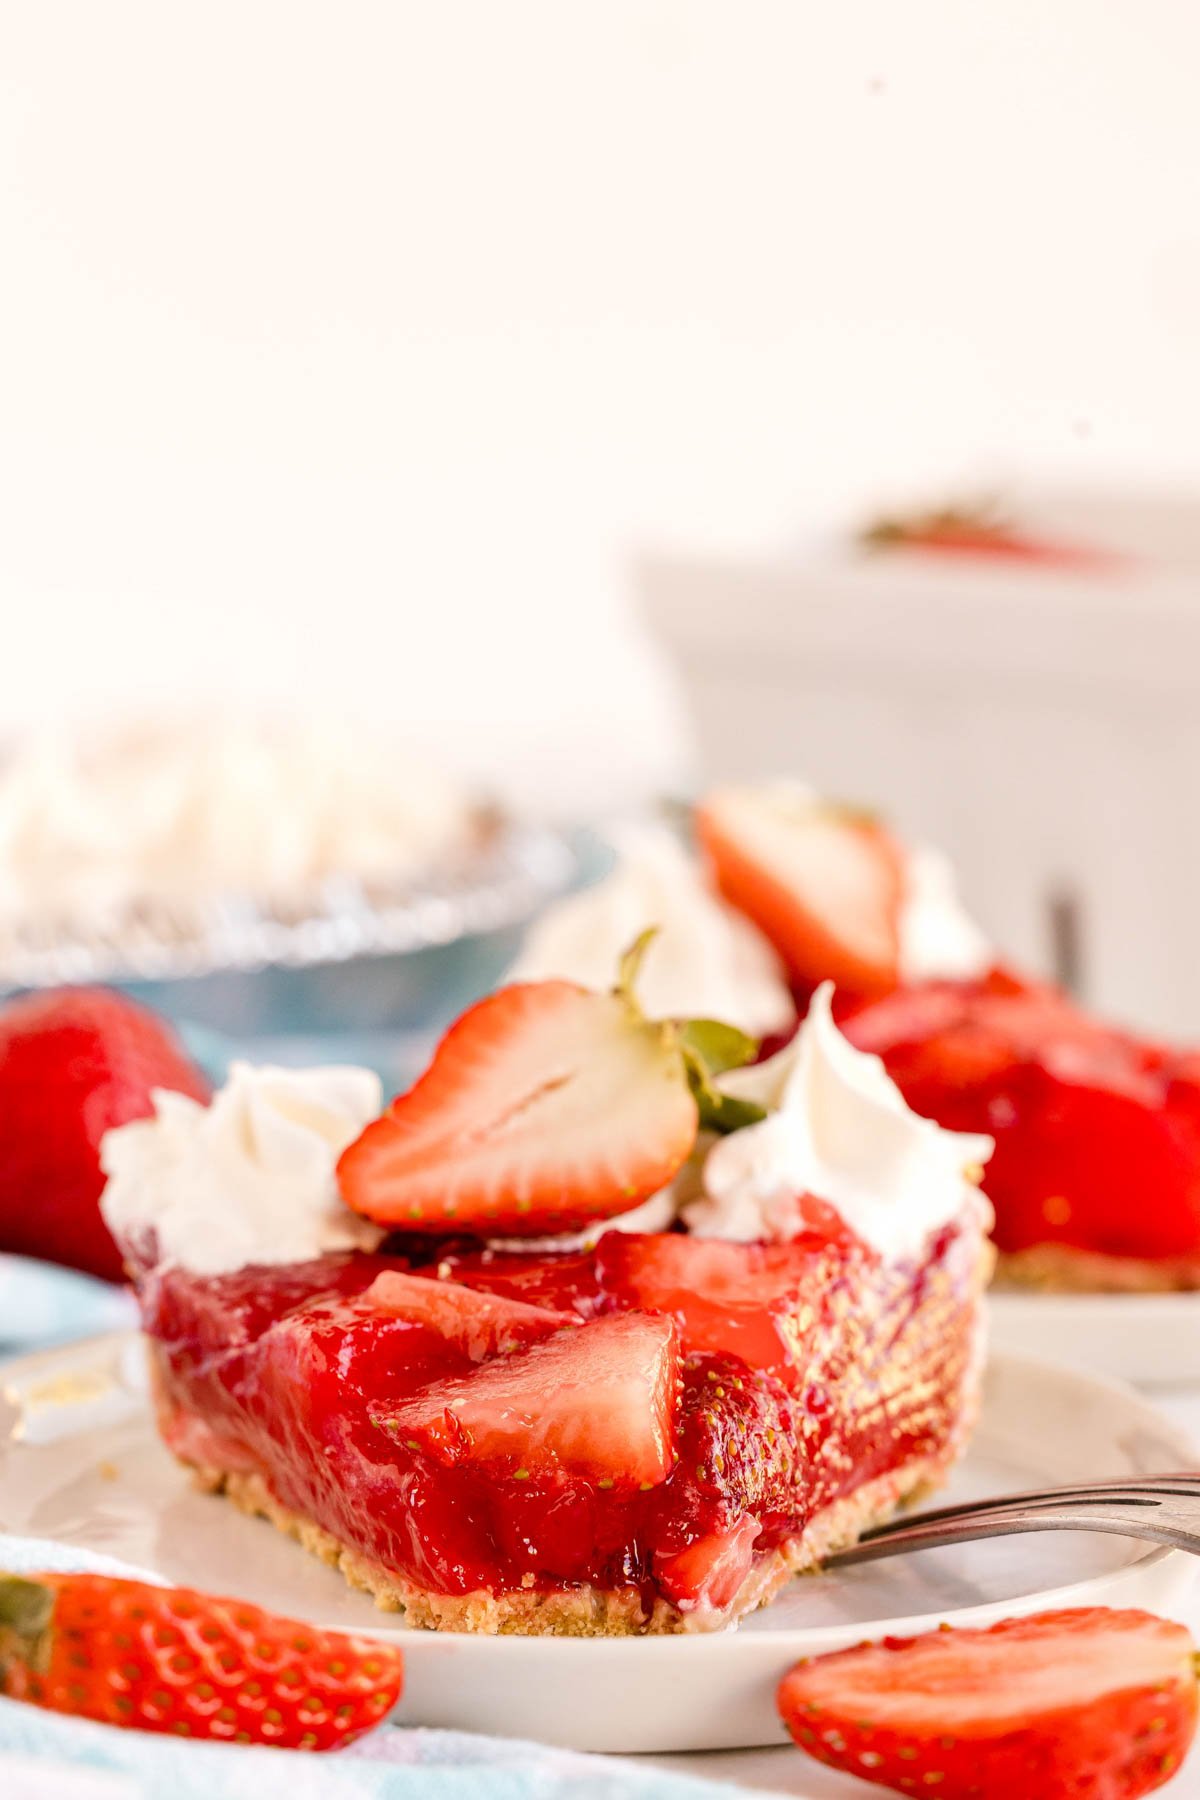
(519, 1425)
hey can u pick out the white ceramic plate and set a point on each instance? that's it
(80, 1464)
(1139, 1337)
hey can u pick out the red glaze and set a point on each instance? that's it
(482, 1325)
(841, 1370)
(739, 1299)
(1097, 1132)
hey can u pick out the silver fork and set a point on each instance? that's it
(1163, 1509)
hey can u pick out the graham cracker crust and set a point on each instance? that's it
(1061, 1268)
(584, 1611)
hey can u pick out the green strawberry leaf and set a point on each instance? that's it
(717, 1047)
(709, 1048)
(722, 1112)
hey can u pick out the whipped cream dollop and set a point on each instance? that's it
(177, 811)
(839, 1130)
(707, 961)
(939, 941)
(248, 1179)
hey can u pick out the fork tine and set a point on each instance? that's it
(1135, 1486)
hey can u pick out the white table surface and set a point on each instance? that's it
(786, 1771)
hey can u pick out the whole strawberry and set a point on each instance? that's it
(169, 1659)
(1052, 1707)
(74, 1062)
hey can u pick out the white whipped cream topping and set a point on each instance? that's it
(175, 812)
(939, 941)
(249, 1179)
(838, 1129)
(706, 962)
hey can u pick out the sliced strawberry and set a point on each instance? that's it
(545, 1107)
(962, 531)
(477, 1323)
(744, 1299)
(709, 1574)
(597, 1402)
(824, 884)
(173, 1660)
(1058, 1705)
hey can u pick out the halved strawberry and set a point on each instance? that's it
(823, 883)
(477, 1323)
(1058, 1705)
(597, 1402)
(737, 1298)
(979, 531)
(545, 1107)
(173, 1660)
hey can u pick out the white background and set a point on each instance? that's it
(348, 351)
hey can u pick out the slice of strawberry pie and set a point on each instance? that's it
(1096, 1174)
(594, 1331)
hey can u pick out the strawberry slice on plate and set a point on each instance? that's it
(546, 1106)
(478, 1323)
(1087, 1701)
(597, 1402)
(823, 883)
(170, 1659)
